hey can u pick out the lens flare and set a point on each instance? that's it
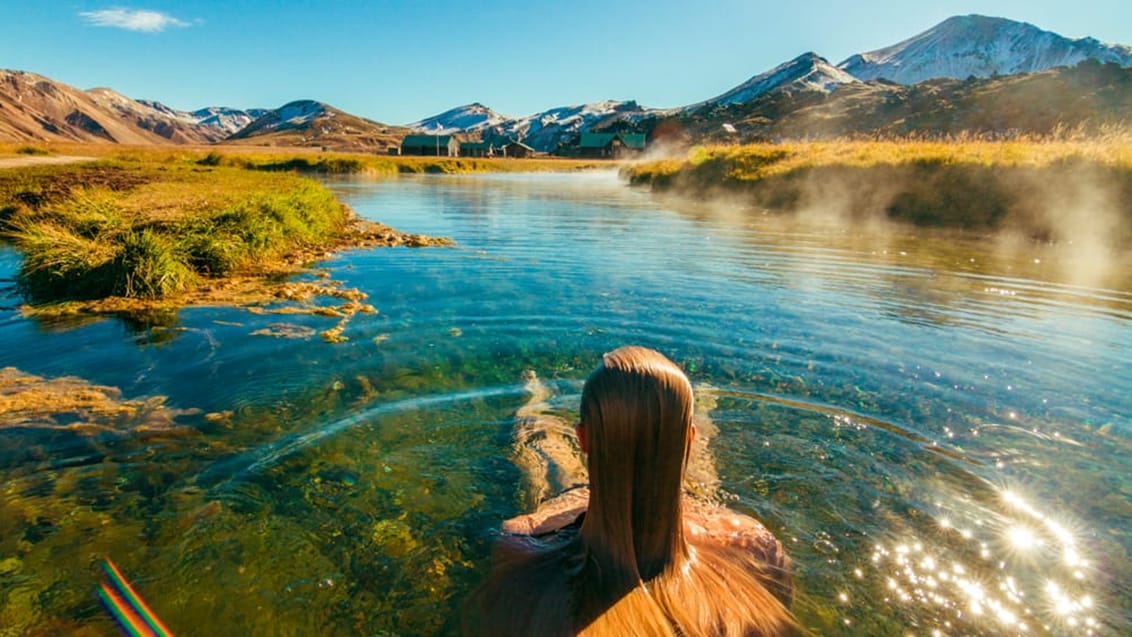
(1009, 568)
(1023, 538)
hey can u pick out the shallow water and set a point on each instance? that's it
(937, 427)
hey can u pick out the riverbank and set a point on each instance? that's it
(1057, 191)
(307, 160)
(143, 233)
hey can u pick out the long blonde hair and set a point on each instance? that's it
(630, 569)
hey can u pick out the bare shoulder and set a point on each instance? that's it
(714, 524)
(552, 515)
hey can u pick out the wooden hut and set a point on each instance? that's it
(477, 149)
(517, 149)
(430, 145)
(608, 145)
(596, 144)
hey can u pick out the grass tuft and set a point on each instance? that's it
(149, 267)
(60, 263)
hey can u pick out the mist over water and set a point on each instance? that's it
(935, 425)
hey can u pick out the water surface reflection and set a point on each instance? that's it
(936, 425)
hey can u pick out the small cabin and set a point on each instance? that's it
(517, 149)
(431, 145)
(478, 149)
(609, 145)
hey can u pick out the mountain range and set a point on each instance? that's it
(991, 65)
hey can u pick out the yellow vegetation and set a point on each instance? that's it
(1076, 190)
(760, 161)
(305, 159)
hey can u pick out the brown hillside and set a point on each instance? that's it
(35, 108)
(315, 124)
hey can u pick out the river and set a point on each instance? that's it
(937, 427)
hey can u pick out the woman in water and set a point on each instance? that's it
(630, 555)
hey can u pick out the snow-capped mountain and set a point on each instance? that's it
(542, 131)
(223, 119)
(808, 71)
(962, 46)
(548, 129)
(168, 111)
(227, 120)
(315, 124)
(462, 119)
(297, 114)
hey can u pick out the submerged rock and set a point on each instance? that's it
(69, 402)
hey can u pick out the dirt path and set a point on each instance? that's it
(39, 160)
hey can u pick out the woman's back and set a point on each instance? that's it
(643, 559)
(736, 583)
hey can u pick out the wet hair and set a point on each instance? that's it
(630, 569)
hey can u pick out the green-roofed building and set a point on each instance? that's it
(610, 144)
(430, 145)
(517, 149)
(633, 141)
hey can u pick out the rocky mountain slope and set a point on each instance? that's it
(543, 131)
(803, 95)
(225, 120)
(979, 46)
(35, 108)
(1090, 97)
(808, 71)
(471, 118)
(312, 123)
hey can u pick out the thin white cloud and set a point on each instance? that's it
(132, 20)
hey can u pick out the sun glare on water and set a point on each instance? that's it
(1022, 573)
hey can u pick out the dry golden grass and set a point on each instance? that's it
(302, 159)
(1047, 189)
(760, 161)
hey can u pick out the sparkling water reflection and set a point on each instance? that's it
(937, 426)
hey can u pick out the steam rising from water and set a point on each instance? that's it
(1074, 215)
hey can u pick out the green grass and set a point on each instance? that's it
(146, 230)
(32, 150)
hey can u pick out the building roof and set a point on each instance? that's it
(476, 145)
(596, 140)
(425, 140)
(635, 141)
(520, 144)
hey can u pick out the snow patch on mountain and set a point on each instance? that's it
(543, 131)
(168, 111)
(221, 118)
(471, 118)
(301, 112)
(295, 114)
(808, 71)
(229, 120)
(962, 46)
(551, 128)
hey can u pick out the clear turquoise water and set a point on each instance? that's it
(937, 427)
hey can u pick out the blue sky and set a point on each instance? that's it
(399, 61)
